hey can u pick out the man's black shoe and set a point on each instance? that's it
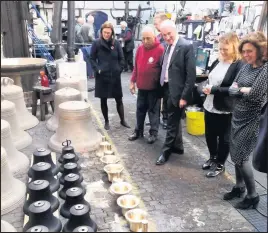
(135, 136)
(151, 139)
(177, 151)
(162, 159)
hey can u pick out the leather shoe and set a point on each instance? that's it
(162, 159)
(107, 126)
(208, 164)
(136, 134)
(151, 139)
(177, 151)
(218, 169)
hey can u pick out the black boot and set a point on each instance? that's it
(236, 192)
(120, 110)
(248, 203)
(107, 125)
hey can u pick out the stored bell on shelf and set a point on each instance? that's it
(7, 227)
(12, 190)
(70, 181)
(14, 94)
(68, 158)
(74, 196)
(39, 190)
(67, 82)
(62, 95)
(20, 138)
(38, 228)
(67, 148)
(83, 229)
(43, 155)
(79, 217)
(42, 171)
(13, 155)
(75, 124)
(70, 168)
(40, 213)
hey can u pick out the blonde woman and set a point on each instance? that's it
(218, 103)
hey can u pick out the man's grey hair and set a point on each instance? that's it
(123, 23)
(148, 29)
(167, 23)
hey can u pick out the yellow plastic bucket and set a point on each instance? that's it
(195, 123)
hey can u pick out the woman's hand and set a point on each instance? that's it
(207, 89)
(245, 90)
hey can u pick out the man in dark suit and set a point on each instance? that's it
(179, 73)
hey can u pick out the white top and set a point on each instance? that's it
(215, 78)
(169, 57)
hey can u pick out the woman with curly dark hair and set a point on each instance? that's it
(250, 89)
(107, 61)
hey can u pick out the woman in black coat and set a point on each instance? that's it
(107, 61)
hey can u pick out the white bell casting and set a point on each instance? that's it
(7, 227)
(67, 82)
(20, 138)
(61, 96)
(13, 191)
(14, 94)
(75, 124)
(17, 161)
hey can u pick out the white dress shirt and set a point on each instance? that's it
(170, 55)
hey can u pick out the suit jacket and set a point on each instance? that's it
(222, 101)
(181, 72)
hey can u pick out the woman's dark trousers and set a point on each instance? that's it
(217, 134)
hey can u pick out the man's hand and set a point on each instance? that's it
(182, 103)
(132, 88)
(207, 89)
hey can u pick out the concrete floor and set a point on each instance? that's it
(177, 196)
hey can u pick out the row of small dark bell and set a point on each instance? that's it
(41, 217)
(44, 184)
(75, 207)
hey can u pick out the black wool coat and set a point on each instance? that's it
(107, 61)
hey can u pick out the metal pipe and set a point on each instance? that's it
(56, 19)
(126, 9)
(56, 34)
(71, 31)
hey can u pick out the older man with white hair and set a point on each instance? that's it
(128, 45)
(178, 74)
(146, 75)
(87, 30)
(77, 31)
